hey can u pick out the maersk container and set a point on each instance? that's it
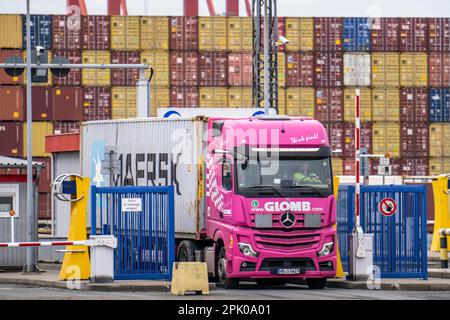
(40, 31)
(357, 69)
(356, 34)
(385, 35)
(153, 152)
(439, 104)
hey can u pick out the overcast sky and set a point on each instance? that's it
(384, 8)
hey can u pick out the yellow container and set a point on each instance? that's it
(49, 74)
(212, 34)
(240, 97)
(439, 140)
(300, 31)
(40, 130)
(123, 101)
(281, 69)
(154, 33)
(95, 77)
(159, 61)
(413, 69)
(159, 98)
(125, 33)
(385, 105)
(386, 139)
(439, 166)
(213, 97)
(365, 104)
(300, 102)
(239, 34)
(11, 31)
(385, 69)
(337, 165)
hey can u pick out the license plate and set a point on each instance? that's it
(288, 271)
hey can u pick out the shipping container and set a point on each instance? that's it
(439, 140)
(414, 140)
(240, 34)
(49, 74)
(74, 76)
(44, 206)
(45, 177)
(42, 109)
(439, 69)
(159, 98)
(439, 166)
(154, 33)
(300, 32)
(125, 33)
(281, 66)
(357, 69)
(439, 104)
(40, 31)
(385, 105)
(123, 102)
(11, 136)
(439, 34)
(337, 165)
(299, 69)
(365, 104)
(212, 33)
(281, 24)
(348, 151)
(96, 77)
(356, 34)
(414, 167)
(66, 32)
(385, 35)
(329, 105)
(395, 164)
(413, 105)
(300, 102)
(159, 61)
(328, 69)
(413, 34)
(95, 32)
(4, 77)
(125, 77)
(40, 130)
(184, 68)
(213, 69)
(335, 135)
(11, 103)
(96, 103)
(184, 97)
(385, 69)
(240, 69)
(413, 69)
(66, 103)
(183, 32)
(282, 103)
(386, 139)
(213, 97)
(328, 34)
(240, 97)
(11, 32)
(64, 127)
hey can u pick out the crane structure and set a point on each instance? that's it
(115, 7)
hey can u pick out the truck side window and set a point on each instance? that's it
(227, 182)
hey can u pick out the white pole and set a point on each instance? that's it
(12, 228)
(357, 158)
(266, 57)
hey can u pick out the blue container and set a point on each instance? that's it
(356, 34)
(41, 31)
(439, 104)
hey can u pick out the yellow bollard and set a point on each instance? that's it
(339, 268)
(441, 209)
(189, 277)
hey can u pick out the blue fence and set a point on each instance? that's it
(400, 240)
(142, 220)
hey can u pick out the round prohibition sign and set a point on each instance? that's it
(387, 207)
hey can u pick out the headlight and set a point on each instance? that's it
(326, 249)
(247, 250)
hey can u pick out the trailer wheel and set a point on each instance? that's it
(186, 251)
(316, 283)
(224, 281)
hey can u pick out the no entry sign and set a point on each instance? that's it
(387, 207)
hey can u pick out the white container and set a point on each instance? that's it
(211, 112)
(357, 69)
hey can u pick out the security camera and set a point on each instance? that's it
(40, 50)
(283, 40)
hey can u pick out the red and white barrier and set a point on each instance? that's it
(357, 156)
(44, 244)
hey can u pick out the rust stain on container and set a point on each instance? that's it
(439, 69)
(328, 34)
(11, 103)
(11, 136)
(184, 68)
(213, 69)
(414, 140)
(4, 78)
(413, 105)
(413, 34)
(66, 33)
(240, 69)
(385, 35)
(95, 32)
(329, 104)
(329, 69)
(299, 69)
(184, 97)
(42, 103)
(125, 77)
(74, 76)
(66, 102)
(183, 32)
(96, 103)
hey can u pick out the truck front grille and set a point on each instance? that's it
(287, 240)
(302, 263)
(299, 221)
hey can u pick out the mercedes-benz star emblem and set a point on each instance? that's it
(287, 219)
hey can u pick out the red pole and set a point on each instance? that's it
(212, 11)
(114, 7)
(357, 157)
(232, 8)
(79, 3)
(190, 8)
(248, 8)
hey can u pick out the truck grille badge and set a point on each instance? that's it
(287, 219)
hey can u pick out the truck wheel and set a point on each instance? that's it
(271, 282)
(316, 283)
(186, 251)
(224, 282)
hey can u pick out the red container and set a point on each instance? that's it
(213, 68)
(184, 68)
(385, 35)
(11, 103)
(329, 69)
(299, 69)
(66, 103)
(281, 32)
(240, 69)
(184, 97)
(413, 105)
(183, 33)
(328, 34)
(414, 140)
(329, 104)
(95, 32)
(45, 179)
(74, 76)
(11, 137)
(62, 127)
(4, 78)
(335, 135)
(396, 167)
(42, 103)
(414, 167)
(65, 33)
(439, 34)
(44, 206)
(349, 167)
(413, 34)
(96, 103)
(349, 139)
(439, 69)
(125, 77)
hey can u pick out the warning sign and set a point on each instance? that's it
(387, 207)
(131, 204)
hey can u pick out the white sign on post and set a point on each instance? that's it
(384, 161)
(132, 204)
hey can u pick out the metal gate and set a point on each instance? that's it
(400, 240)
(142, 220)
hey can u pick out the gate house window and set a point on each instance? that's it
(9, 195)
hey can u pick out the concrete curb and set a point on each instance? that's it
(418, 285)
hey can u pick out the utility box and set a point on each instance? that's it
(361, 256)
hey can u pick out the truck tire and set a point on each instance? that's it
(271, 282)
(316, 283)
(224, 282)
(186, 250)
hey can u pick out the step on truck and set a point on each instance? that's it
(253, 195)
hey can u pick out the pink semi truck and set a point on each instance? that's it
(253, 195)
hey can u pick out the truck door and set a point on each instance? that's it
(219, 187)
